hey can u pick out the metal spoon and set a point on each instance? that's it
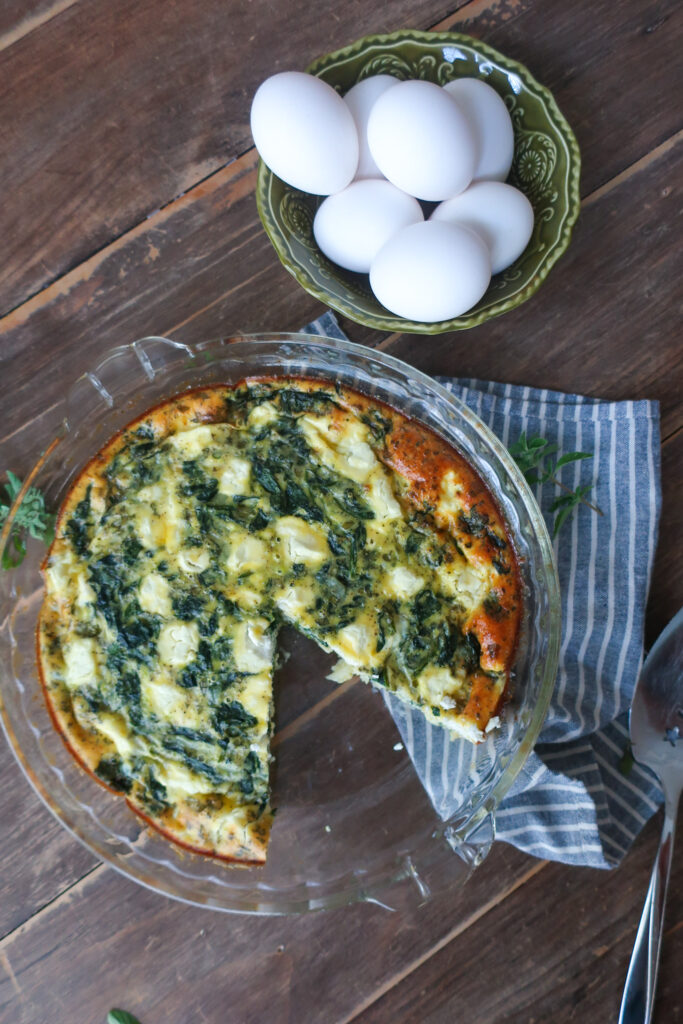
(656, 724)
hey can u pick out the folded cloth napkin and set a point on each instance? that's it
(580, 798)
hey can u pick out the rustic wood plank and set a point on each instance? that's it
(135, 116)
(116, 159)
(20, 17)
(172, 963)
(555, 950)
(212, 238)
(40, 859)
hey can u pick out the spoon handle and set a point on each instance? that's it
(639, 992)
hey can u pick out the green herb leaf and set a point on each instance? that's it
(16, 543)
(560, 519)
(572, 457)
(564, 501)
(626, 761)
(530, 454)
(121, 1017)
(31, 517)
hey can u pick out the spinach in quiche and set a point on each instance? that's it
(214, 519)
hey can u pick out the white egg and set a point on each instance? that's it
(491, 126)
(304, 132)
(353, 225)
(421, 141)
(500, 214)
(431, 271)
(360, 99)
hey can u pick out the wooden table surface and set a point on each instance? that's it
(127, 177)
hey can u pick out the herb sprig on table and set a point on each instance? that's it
(531, 454)
(121, 1017)
(32, 518)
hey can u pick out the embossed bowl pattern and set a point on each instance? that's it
(354, 821)
(546, 168)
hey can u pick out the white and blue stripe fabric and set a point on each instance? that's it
(578, 799)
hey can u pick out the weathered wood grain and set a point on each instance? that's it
(556, 950)
(173, 964)
(18, 18)
(39, 858)
(94, 161)
(137, 102)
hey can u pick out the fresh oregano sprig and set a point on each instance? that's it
(32, 517)
(530, 454)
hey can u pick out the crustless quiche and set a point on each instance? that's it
(223, 513)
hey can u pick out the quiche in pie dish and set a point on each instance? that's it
(223, 513)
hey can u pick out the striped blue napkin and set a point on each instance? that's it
(579, 798)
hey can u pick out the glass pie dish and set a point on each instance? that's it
(354, 821)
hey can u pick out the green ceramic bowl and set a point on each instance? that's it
(546, 168)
